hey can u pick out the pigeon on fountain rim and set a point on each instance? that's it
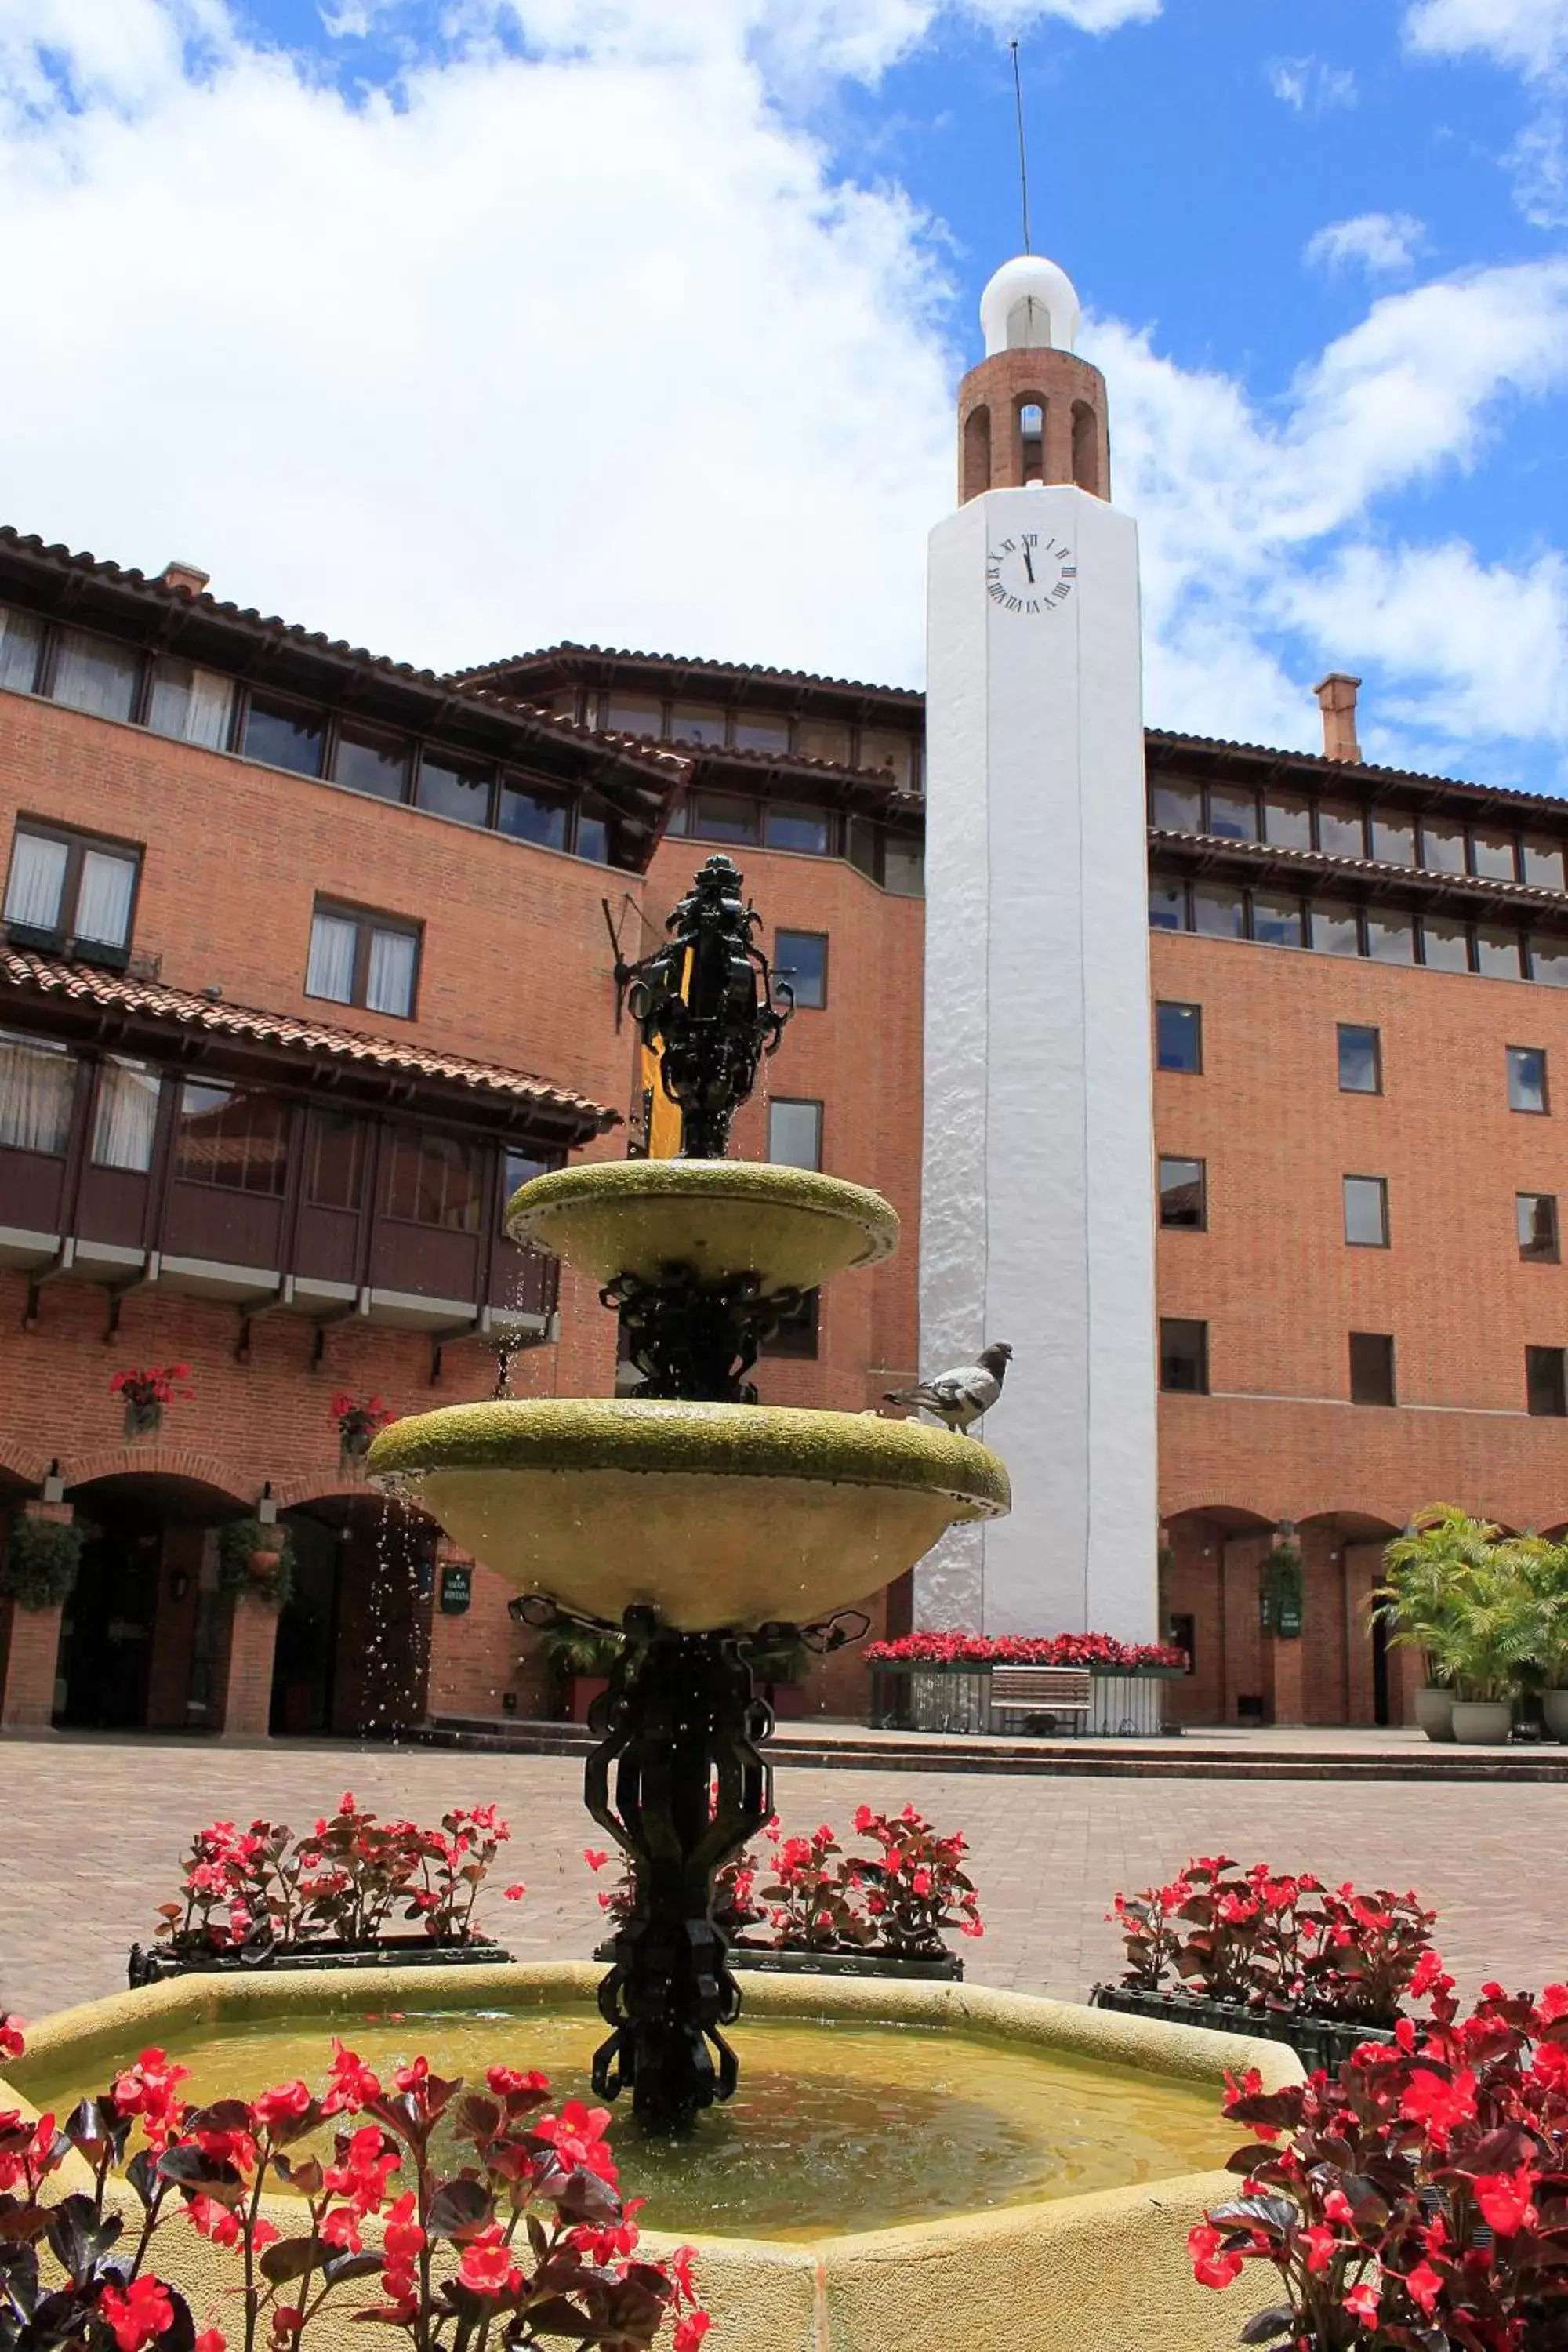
(960, 1396)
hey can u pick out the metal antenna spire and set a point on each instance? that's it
(1023, 158)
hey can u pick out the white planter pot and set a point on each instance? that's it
(1434, 1712)
(1554, 1706)
(1482, 1723)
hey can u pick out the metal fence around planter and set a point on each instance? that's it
(770, 1959)
(1325, 2042)
(1125, 1702)
(156, 1963)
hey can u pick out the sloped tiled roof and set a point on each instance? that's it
(51, 979)
(568, 646)
(1426, 879)
(1504, 795)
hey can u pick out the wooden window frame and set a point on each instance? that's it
(1553, 1256)
(1179, 1224)
(1172, 1069)
(1385, 1239)
(1560, 1409)
(1358, 1029)
(366, 921)
(76, 843)
(1376, 1404)
(800, 1102)
(781, 970)
(1196, 1323)
(1530, 1111)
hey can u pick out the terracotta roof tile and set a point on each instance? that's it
(1329, 865)
(906, 694)
(1504, 795)
(46, 977)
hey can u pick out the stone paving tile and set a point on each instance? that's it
(92, 1831)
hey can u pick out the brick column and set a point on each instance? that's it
(1284, 1674)
(244, 1674)
(31, 1650)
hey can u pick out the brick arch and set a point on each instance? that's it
(1243, 1514)
(315, 1487)
(144, 1461)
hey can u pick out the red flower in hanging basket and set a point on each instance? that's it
(357, 1420)
(157, 1384)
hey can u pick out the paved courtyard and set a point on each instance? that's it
(92, 1831)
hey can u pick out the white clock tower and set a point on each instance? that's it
(1036, 1222)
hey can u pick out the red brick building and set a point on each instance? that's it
(308, 957)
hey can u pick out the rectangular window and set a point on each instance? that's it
(357, 958)
(67, 885)
(1176, 808)
(1390, 938)
(592, 839)
(519, 1168)
(1287, 821)
(1535, 1219)
(822, 739)
(1545, 1389)
(632, 714)
(791, 826)
(1549, 962)
(758, 734)
(795, 1133)
(193, 706)
(236, 1140)
(698, 723)
(1277, 921)
(801, 958)
(449, 789)
(903, 866)
(21, 642)
(885, 754)
(1491, 854)
(1179, 1036)
(1184, 1357)
(1342, 830)
(95, 675)
(1336, 928)
(1393, 839)
(1443, 847)
(37, 1083)
(1218, 911)
(723, 816)
(1366, 1211)
(1498, 954)
(432, 1179)
(797, 1334)
(335, 1161)
(1527, 1077)
(1444, 945)
(1371, 1367)
(1183, 1194)
(1542, 860)
(530, 814)
(284, 735)
(368, 761)
(1233, 816)
(1361, 1060)
(125, 1117)
(1168, 904)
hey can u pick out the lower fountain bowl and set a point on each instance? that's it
(1074, 2268)
(717, 1515)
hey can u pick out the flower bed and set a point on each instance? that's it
(264, 1897)
(1101, 1653)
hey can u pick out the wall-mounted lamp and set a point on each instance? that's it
(267, 1509)
(54, 1486)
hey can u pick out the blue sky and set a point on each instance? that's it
(455, 328)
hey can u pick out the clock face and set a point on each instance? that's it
(1030, 573)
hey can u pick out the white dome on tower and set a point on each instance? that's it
(1029, 305)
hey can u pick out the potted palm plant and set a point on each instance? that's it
(1422, 1573)
(580, 1658)
(1545, 1568)
(1483, 1643)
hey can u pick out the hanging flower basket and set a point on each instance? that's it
(356, 1423)
(145, 1392)
(257, 1558)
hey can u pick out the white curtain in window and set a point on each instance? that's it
(94, 674)
(331, 970)
(190, 703)
(36, 1084)
(38, 878)
(126, 1117)
(390, 988)
(20, 635)
(103, 901)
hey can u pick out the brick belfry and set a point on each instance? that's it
(1037, 1210)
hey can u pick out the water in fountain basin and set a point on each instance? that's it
(836, 2126)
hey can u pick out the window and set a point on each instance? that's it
(1179, 1036)
(1340, 830)
(1184, 1357)
(1287, 821)
(236, 1140)
(366, 762)
(592, 839)
(1219, 911)
(1444, 945)
(21, 642)
(1393, 839)
(886, 754)
(801, 958)
(1183, 1194)
(1491, 854)
(822, 739)
(722, 817)
(903, 866)
(1443, 848)
(125, 1117)
(1542, 860)
(362, 959)
(1179, 808)
(698, 722)
(1549, 962)
(1366, 1211)
(1371, 1367)
(1277, 921)
(94, 674)
(1545, 1389)
(1498, 954)
(1390, 938)
(1167, 906)
(795, 1133)
(284, 735)
(1527, 1077)
(632, 714)
(758, 734)
(1233, 816)
(69, 886)
(193, 705)
(38, 1083)
(519, 1168)
(1336, 928)
(1361, 1060)
(431, 1180)
(1535, 1218)
(335, 1161)
(448, 789)
(794, 827)
(797, 1331)
(537, 817)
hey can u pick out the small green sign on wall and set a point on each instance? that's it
(456, 1589)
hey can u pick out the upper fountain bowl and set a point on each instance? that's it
(789, 1227)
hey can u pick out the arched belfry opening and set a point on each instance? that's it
(1086, 470)
(1032, 410)
(977, 453)
(1031, 438)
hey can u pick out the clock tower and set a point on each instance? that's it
(1036, 1223)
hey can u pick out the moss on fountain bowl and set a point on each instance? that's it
(789, 1226)
(716, 1514)
(1104, 2271)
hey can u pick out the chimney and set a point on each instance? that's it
(1336, 697)
(189, 577)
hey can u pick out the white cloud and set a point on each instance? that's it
(1310, 85)
(1532, 35)
(1382, 243)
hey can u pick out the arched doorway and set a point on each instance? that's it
(140, 1635)
(1353, 1673)
(353, 1641)
(1210, 1557)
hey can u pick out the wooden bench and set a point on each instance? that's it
(1043, 1692)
